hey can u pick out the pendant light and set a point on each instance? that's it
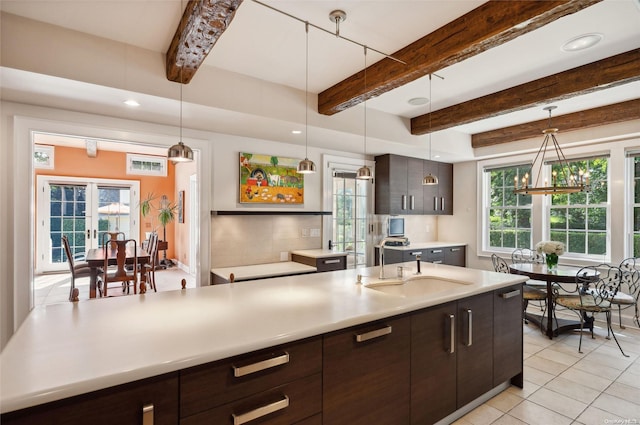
(306, 166)
(180, 152)
(430, 179)
(563, 180)
(364, 172)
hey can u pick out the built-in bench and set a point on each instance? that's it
(259, 271)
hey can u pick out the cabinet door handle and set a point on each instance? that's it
(442, 203)
(470, 328)
(415, 253)
(452, 334)
(412, 202)
(334, 261)
(373, 334)
(239, 371)
(435, 203)
(404, 202)
(455, 249)
(436, 251)
(147, 414)
(243, 418)
(507, 295)
(437, 262)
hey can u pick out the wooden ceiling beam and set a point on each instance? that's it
(489, 25)
(613, 71)
(610, 114)
(201, 25)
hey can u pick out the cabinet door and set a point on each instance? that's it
(455, 256)
(414, 186)
(475, 347)
(445, 188)
(366, 374)
(507, 335)
(391, 185)
(123, 404)
(433, 364)
(431, 203)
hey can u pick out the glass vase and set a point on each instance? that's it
(552, 261)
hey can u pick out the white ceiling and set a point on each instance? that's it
(267, 45)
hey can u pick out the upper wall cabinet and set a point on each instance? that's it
(399, 188)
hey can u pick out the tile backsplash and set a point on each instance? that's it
(257, 239)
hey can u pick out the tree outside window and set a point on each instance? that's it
(509, 214)
(579, 220)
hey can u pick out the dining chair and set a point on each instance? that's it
(629, 291)
(76, 269)
(106, 236)
(528, 293)
(150, 267)
(122, 274)
(593, 297)
(530, 256)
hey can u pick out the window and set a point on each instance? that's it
(43, 157)
(580, 220)
(146, 165)
(633, 161)
(350, 216)
(507, 215)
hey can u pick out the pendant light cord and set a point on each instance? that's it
(306, 93)
(430, 109)
(365, 103)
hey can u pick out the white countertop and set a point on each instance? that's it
(319, 253)
(424, 245)
(67, 349)
(259, 271)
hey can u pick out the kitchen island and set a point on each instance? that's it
(69, 349)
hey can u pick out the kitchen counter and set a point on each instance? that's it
(318, 253)
(67, 349)
(260, 271)
(423, 245)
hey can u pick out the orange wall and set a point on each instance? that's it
(74, 162)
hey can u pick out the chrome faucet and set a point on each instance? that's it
(381, 255)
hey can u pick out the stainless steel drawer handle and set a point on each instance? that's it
(335, 261)
(470, 323)
(260, 411)
(436, 251)
(435, 203)
(416, 253)
(455, 249)
(147, 414)
(239, 371)
(412, 202)
(452, 334)
(511, 294)
(442, 204)
(374, 334)
(404, 202)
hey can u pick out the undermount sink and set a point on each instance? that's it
(415, 286)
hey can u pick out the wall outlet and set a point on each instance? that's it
(284, 255)
(315, 233)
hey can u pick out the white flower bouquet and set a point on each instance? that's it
(550, 247)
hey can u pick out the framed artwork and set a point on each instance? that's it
(266, 179)
(181, 206)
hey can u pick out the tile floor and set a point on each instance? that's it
(562, 386)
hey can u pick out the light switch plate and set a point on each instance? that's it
(284, 256)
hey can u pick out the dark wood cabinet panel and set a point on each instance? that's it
(122, 404)
(455, 256)
(438, 199)
(368, 382)
(415, 196)
(433, 364)
(323, 264)
(391, 184)
(475, 347)
(507, 336)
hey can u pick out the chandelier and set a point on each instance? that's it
(566, 180)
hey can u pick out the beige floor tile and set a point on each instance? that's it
(593, 415)
(534, 414)
(608, 354)
(587, 379)
(536, 376)
(565, 358)
(591, 365)
(508, 420)
(558, 402)
(624, 391)
(573, 390)
(617, 406)
(528, 389)
(545, 365)
(505, 401)
(629, 378)
(482, 415)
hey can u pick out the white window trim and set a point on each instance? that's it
(629, 203)
(146, 158)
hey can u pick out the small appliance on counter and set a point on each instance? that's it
(395, 229)
(398, 241)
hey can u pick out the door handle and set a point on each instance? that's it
(239, 371)
(147, 414)
(373, 334)
(88, 233)
(239, 419)
(469, 328)
(442, 203)
(95, 233)
(404, 202)
(452, 334)
(435, 203)
(507, 295)
(412, 202)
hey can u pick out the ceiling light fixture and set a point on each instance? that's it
(364, 172)
(562, 181)
(418, 101)
(430, 179)
(337, 16)
(306, 166)
(180, 152)
(582, 42)
(131, 102)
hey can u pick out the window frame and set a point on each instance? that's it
(131, 158)
(630, 181)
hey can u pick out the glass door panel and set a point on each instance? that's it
(66, 217)
(350, 217)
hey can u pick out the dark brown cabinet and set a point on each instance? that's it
(322, 264)
(455, 256)
(131, 403)
(450, 255)
(399, 189)
(366, 374)
(507, 335)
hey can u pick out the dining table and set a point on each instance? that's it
(95, 260)
(557, 276)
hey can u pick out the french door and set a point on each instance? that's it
(85, 210)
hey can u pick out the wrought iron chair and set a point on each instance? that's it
(122, 274)
(76, 269)
(594, 296)
(529, 256)
(629, 291)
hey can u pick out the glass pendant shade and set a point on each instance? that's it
(180, 153)
(306, 166)
(430, 180)
(364, 173)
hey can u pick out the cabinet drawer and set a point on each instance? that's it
(282, 405)
(215, 384)
(455, 256)
(434, 255)
(331, 263)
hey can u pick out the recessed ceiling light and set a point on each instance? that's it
(436, 156)
(417, 101)
(296, 132)
(131, 102)
(582, 42)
